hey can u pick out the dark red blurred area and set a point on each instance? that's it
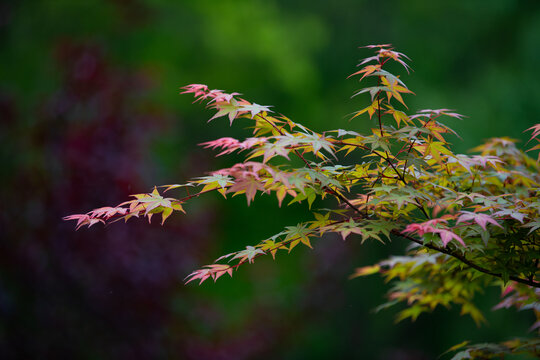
(97, 293)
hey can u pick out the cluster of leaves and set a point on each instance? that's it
(473, 220)
(496, 351)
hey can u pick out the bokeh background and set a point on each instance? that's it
(90, 113)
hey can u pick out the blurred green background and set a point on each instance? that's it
(90, 113)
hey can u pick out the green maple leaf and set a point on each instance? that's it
(319, 142)
(155, 203)
(215, 181)
(249, 254)
(380, 226)
(254, 109)
(413, 312)
(300, 233)
(399, 198)
(347, 228)
(230, 109)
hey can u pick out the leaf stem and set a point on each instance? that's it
(329, 189)
(464, 260)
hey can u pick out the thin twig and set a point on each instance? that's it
(464, 260)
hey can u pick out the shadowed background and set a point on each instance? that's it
(90, 113)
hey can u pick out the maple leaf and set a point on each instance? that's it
(430, 227)
(227, 143)
(249, 185)
(249, 254)
(224, 257)
(399, 198)
(153, 201)
(535, 129)
(390, 78)
(396, 56)
(215, 181)
(434, 113)
(399, 116)
(435, 149)
(536, 132)
(318, 142)
(230, 108)
(364, 271)
(484, 160)
(373, 91)
(447, 236)
(83, 219)
(420, 229)
(214, 271)
(519, 216)
(255, 109)
(371, 109)
(341, 132)
(175, 186)
(392, 88)
(480, 218)
(463, 160)
(197, 89)
(367, 70)
(219, 96)
(534, 225)
(272, 246)
(269, 150)
(299, 234)
(375, 46)
(347, 228)
(107, 212)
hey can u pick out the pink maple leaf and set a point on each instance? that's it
(535, 129)
(419, 229)
(197, 90)
(480, 218)
(83, 219)
(219, 96)
(228, 145)
(447, 236)
(426, 226)
(429, 227)
(107, 212)
(249, 185)
(214, 271)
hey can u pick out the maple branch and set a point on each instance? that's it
(464, 260)
(387, 159)
(401, 176)
(287, 242)
(184, 199)
(330, 190)
(379, 115)
(413, 141)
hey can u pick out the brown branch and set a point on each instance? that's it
(387, 159)
(328, 188)
(285, 243)
(467, 262)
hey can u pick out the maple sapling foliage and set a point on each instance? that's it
(473, 220)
